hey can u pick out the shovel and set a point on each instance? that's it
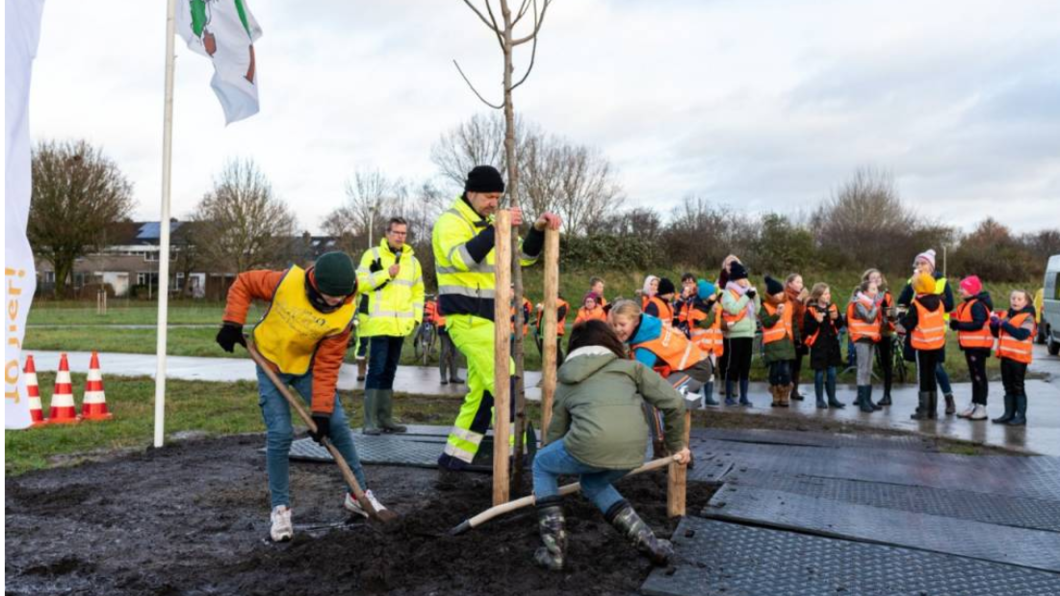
(574, 487)
(384, 515)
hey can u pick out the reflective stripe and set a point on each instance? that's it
(464, 254)
(466, 435)
(461, 454)
(481, 268)
(404, 282)
(469, 292)
(393, 313)
(979, 338)
(1020, 350)
(684, 357)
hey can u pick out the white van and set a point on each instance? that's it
(1051, 305)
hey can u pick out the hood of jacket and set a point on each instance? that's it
(583, 363)
(650, 328)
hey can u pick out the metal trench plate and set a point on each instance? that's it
(816, 439)
(724, 559)
(1036, 549)
(1023, 512)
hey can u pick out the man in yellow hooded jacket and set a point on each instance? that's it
(463, 242)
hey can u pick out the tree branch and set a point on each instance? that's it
(533, 54)
(537, 24)
(491, 23)
(479, 95)
(522, 11)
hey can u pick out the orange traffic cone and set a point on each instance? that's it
(63, 410)
(36, 412)
(94, 406)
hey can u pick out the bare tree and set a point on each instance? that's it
(478, 141)
(77, 193)
(371, 198)
(586, 186)
(241, 224)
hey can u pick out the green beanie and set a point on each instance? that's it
(335, 275)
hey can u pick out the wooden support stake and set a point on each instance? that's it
(677, 478)
(548, 328)
(502, 312)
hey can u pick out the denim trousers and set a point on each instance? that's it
(554, 461)
(383, 357)
(279, 433)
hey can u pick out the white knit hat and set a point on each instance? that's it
(928, 255)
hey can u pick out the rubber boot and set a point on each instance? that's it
(923, 399)
(832, 401)
(385, 405)
(795, 395)
(550, 524)
(371, 412)
(1020, 417)
(629, 524)
(362, 369)
(708, 395)
(868, 398)
(951, 405)
(863, 400)
(1010, 410)
(933, 405)
(886, 400)
(819, 392)
(744, 389)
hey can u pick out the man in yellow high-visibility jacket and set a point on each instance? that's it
(392, 280)
(463, 241)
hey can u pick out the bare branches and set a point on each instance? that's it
(479, 95)
(533, 55)
(538, 21)
(522, 11)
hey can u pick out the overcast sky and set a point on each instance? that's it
(762, 105)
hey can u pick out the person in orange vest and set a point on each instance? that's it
(562, 308)
(447, 358)
(778, 341)
(705, 321)
(821, 324)
(971, 321)
(303, 336)
(596, 286)
(648, 290)
(527, 309)
(888, 318)
(591, 309)
(1015, 336)
(797, 296)
(660, 305)
(927, 335)
(686, 303)
(864, 321)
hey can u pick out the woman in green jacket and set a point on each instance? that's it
(598, 432)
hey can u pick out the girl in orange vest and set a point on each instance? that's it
(797, 296)
(821, 324)
(864, 317)
(1014, 332)
(660, 305)
(591, 309)
(648, 291)
(971, 321)
(927, 336)
(778, 341)
(884, 349)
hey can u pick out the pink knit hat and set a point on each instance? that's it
(972, 285)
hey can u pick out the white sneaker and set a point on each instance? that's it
(282, 528)
(967, 412)
(353, 506)
(978, 413)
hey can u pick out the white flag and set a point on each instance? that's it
(225, 32)
(22, 31)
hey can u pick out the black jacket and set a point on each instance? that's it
(825, 351)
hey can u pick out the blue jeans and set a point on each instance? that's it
(279, 433)
(553, 461)
(943, 379)
(383, 361)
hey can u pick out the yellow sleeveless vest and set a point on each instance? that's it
(291, 328)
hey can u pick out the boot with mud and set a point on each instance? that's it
(371, 413)
(282, 528)
(362, 369)
(622, 516)
(550, 523)
(923, 398)
(385, 409)
(1010, 410)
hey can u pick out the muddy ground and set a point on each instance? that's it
(192, 519)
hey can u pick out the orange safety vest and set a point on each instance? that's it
(980, 338)
(666, 311)
(780, 329)
(710, 340)
(731, 319)
(527, 309)
(676, 350)
(1012, 348)
(930, 332)
(888, 302)
(561, 324)
(858, 328)
(827, 319)
(597, 314)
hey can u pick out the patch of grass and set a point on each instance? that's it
(125, 312)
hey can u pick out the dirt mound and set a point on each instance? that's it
(193, 519)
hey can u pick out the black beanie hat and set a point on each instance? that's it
(737, 271)
(335, 275)
(773, 286)
(665, 287)
(484, 179)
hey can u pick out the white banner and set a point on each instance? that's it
(22, 32)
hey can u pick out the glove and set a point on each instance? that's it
(323, 423)
(230, 335)
(751, 293)
(377, 265)
(953, 324)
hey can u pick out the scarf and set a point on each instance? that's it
(742, 291)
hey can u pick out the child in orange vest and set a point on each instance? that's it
(822, 323)
(927, 337)
(661, 305)
(1015, 333)
(971, 321)
(704, 329)
(591, 309)
(797, 295)
(864, 320)
(778, 340)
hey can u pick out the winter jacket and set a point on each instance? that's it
(598, 409)
(948, 303)
(825, 351)
(648, 329)
(395, 305)
(783, 349)
(746, 326)
(980, 314)
(909, 322)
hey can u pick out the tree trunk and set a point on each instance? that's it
(62, 265)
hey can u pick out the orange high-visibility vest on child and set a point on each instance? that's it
(811, 340)
(782, 328)
(673, 348)
(859, 329)
(930, 331)
(710, 339)
(980, 338)
(1012, 348)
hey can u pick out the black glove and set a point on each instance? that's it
(751, 293)
(377, 265)
(230, 335)
(953, 324)
(323, 424)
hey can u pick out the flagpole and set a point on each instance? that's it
(163, 260)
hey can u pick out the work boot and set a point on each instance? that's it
(362, 369)
(371, 412)
(951, 404)
(923, 399)
(1020, 417)
(708, 395)
(282, 528)
(1010, 410)
(933, 405)
(550, 523)
(629, 524)
(832, 401)
(864, 402)
(978, 413)
(385, 407)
